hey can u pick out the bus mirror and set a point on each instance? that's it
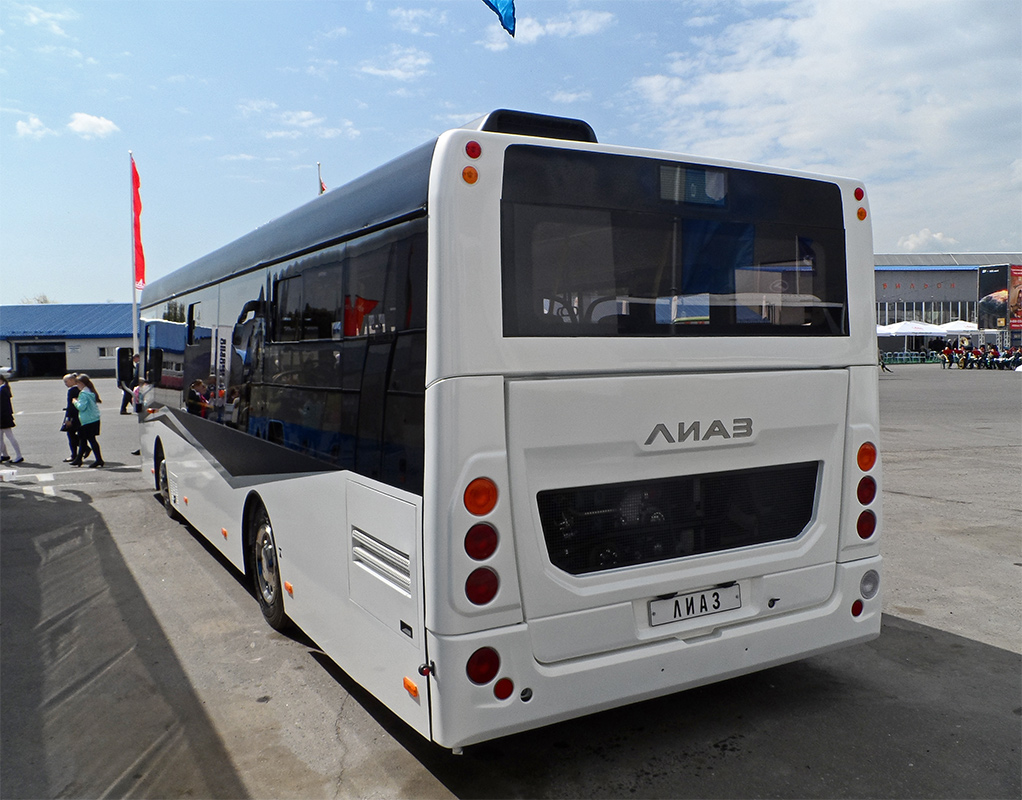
(154, 373)
(125, 367)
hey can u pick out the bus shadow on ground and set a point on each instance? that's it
(915, 713)
(95, 702)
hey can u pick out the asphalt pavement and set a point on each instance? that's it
(134, 662)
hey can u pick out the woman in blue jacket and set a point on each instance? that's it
(87, 404)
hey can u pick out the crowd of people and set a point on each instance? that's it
(984, 356)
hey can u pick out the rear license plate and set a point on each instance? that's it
(695, 604)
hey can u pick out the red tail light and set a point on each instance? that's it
(481, 541)
(481, 586)
(503, 688)
(866, 524)
(866, 491)
(483, 665)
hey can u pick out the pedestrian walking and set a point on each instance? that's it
(72, 426)
(87, 404)
(7, 423)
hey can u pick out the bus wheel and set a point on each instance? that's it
(164, 481)
(265, 572)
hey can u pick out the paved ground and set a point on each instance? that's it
(133, 663)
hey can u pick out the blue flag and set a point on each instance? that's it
(505, 9)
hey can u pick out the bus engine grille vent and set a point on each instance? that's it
(594, 528)
(380, 559)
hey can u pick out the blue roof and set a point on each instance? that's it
(66, 321)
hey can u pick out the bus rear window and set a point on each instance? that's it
(594, 244)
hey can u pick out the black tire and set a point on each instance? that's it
(163, 481)
(265, 571)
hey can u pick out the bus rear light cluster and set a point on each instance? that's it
(483, 667)
(470, 174)
(480, 499)
(866, 491)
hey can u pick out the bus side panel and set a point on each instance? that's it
(364, 617)
(199, 493)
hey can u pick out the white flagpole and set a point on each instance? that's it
(134, 288)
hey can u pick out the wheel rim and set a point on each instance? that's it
(266, 563)
(164, 484)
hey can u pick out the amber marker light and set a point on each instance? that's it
(470, 175)
(867, 456)
(289, 588)
(481, 496)
(861, 213)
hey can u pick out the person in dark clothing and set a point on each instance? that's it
(72, 425)
(128, 389)
(7, 424)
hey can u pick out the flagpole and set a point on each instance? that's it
(134, 287)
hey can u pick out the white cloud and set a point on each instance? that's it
(48, 20)
(926, 241)
(569, 97)
(249, 108)
(402, 64)
(415, 20)
(239, 157)
(909, 96)
(347, 130)
(90, 127)
(33, 129)
(301, 119)
(529, 30)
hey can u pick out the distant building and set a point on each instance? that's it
(933, 287)
(51, 339)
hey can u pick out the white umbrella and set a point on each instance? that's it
(959, 326)
(909, 327)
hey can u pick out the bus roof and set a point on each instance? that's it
(394, 190)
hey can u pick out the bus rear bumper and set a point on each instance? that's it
(542, 694)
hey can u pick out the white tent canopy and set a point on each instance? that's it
(910, 328)
(959, 326)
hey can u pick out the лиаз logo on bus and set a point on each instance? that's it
(699, 431)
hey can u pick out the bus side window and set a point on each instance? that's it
(288, 324)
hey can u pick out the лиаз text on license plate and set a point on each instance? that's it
(694, 604)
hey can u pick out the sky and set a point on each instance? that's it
(228, 106)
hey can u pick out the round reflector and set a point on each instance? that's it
(867, 456)
(503, 688)
(861, 213)
(857, 608)
(480, 496)
(483, 665)
(481, 586)
(859, 193)
(869, 584)
(473, 150)
(471, 175)
(480, 541)
(866, 524)
(866, 491)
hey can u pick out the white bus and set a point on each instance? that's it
(519, 426)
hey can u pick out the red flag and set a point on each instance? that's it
(136, 230)
(322, 186)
